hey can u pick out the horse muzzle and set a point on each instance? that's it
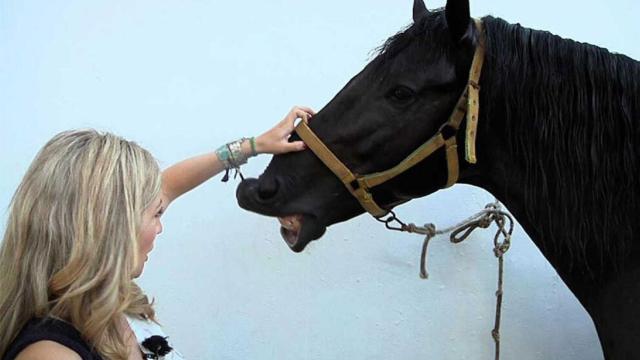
(298, 227)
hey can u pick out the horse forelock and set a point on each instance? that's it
(570, 115)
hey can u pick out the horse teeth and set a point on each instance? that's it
(290, 222)
(286, 223)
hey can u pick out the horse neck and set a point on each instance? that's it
(559, 143)
(611, 296)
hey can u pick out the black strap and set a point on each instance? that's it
(52, 330)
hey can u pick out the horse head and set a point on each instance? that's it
(398, 101)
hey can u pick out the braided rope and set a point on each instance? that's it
(492, 213)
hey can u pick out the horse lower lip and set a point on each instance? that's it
(308, 229)
(290, 236)
(291, 227)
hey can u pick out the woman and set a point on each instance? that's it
(80, 227)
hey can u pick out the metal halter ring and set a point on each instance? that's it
(391, 217)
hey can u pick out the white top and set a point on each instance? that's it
(144, 329)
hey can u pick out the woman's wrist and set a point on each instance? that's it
(236, 153)
(250, 147)
(259, 144)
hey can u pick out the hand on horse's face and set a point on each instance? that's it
(276, 140)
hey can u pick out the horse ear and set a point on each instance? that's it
(419, 10)
(458, 18)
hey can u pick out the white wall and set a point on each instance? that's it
(183, 77)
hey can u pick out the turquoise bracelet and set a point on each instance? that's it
(231, 153)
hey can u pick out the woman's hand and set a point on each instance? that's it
(276, 140)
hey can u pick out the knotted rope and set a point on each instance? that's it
(492, 213)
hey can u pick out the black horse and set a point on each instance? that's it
(558, 142)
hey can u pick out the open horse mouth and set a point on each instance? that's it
(290, 229)
(298, 226)
(298, 230)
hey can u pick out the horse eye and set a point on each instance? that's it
(401, 94)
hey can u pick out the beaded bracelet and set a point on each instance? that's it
(232, 156)
(252, 141)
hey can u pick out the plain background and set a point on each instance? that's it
(183, 77)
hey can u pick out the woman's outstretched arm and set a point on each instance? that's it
(188, 174)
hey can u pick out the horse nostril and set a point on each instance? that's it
(267, 188)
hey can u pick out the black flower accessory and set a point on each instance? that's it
(157, 345)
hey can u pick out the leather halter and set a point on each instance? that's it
(360, 185)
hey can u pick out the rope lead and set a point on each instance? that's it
(492, 213)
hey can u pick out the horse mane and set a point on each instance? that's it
(571, 118)
(570, 115)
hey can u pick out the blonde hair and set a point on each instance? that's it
(71, 243)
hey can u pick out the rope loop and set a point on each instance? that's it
(492, 213)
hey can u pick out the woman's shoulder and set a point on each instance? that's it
(49, 337)
(47, 350)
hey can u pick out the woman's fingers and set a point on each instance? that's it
(299, 114)
(302, 112)
(276, 140)
(306, 109)
(296, 146)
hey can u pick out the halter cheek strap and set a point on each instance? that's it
(473, 88)
(356, 185)
(468, 104)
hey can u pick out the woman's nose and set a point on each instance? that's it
(159, 229)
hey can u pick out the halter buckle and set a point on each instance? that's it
(448, 131)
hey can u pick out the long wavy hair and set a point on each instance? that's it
(71, 242)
